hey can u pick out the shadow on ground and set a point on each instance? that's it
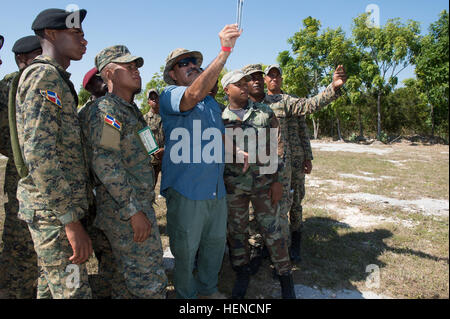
(333, 258)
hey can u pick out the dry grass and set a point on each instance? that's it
(413, 260)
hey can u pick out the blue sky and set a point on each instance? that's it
(152, 29)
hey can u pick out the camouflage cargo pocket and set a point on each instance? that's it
(27, 215)
(50, 240)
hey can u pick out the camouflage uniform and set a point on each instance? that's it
(124, 186)
(252, 186)
(110, 281)
(54, 193)
(18, 261)
(288, 108)
(301, 151)
(155, 123)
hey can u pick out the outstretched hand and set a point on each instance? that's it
(229, 35)
(339, 77)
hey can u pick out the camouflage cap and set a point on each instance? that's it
(252, 68)
(273, 66)
(170, 62)
(233, 77)
(116, 54)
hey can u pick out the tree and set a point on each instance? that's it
(157, 82)
(391, 48)
(220, 97)
(432, 67)
(316, 55)
(83, 96)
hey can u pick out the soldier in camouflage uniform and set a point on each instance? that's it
(4, 135)
(262, 190)
(18, 260)
(287, 107)
(302, 157)
(109, 283)
(53, 193)
(124, 180)
(154, 121)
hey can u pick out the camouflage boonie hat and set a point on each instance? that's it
(273, 66)
(116, 54)
(170, 62)
(233, 77)
(252, 68)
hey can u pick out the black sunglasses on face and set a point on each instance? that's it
(185, 62)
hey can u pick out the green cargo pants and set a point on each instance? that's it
(196, 225)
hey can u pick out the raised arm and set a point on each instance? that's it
(201, 87)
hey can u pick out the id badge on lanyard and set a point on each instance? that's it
(148, 140)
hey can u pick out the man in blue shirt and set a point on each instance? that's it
(193, 165)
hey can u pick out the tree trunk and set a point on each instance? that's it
(379, 116)
(332, 128)
(432, 121)
(316, 128)
(361, 132)
(339, 129)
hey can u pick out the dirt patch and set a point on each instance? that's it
(352, 148)
(353, 217)
(365, 178)
(427, 206)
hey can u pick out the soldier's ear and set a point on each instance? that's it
(50, 34)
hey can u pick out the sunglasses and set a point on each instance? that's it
(185, 62)
(1, 41)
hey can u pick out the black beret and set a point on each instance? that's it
(26, 45)
(55, 19)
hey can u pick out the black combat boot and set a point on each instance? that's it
(287, 287)
(296, 239)
(242, 281)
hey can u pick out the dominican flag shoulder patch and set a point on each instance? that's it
(113, 122)
(52, 97)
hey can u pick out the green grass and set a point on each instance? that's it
(413, 261)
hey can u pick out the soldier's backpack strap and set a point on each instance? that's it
(22, 169)
(17, 151)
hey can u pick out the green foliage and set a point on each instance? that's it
(157, 82)
(432, 71)
(316, 54)
(387, 51)
(220, 97)
(83, 96)
(373, 58)
(383, 137)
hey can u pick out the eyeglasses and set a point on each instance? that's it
(185, 62)
(1, 41)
